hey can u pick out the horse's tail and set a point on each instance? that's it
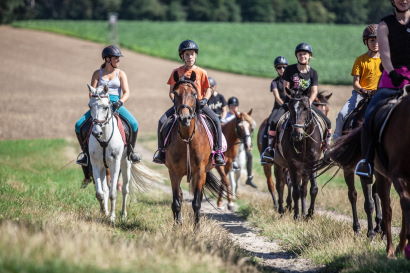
(213, 185)
(142, 177)
(345, 151)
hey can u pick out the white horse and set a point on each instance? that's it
(240, 174)
(108, 151)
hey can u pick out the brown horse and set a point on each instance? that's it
(372, 201)
(236, 131)
(281, 174)
(392, 165)
(189, 151)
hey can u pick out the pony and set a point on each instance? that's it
(108, 154)
(282, 173)
(189, 150)
(237, 131)
(391, 164)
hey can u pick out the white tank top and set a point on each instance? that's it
(114, 85)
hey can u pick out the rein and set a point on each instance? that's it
(188, 153)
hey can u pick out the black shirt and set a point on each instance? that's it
(278, 84)
(216, 103)
(399, 41)
(297, 79)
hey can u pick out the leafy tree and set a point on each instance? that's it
(11, 9)
(289, 11)
(257, 10)
(317, 13)
(377, 10)
(143, 10)
(176, 12)
(348, 11)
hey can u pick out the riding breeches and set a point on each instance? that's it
(170, 112)
(274, 117)
(323, 116)
(348, 108)
(123, 112)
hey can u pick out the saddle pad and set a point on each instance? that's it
(382, 117)
(203, 119)
(280, 128)
(121, 128)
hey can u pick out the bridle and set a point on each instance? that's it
(308, 120)
(192, 110)
(241, 133)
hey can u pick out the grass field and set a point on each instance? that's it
(247, 48)
(47, 224)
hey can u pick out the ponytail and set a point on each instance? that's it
(103, 65)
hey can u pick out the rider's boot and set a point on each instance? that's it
(249, 159)
(365, 166)
(82, 160)
(159, 156)
(249, 182)
(219, 159)
(132, 155)
(269, 153)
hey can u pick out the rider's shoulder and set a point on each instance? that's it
(388, 18)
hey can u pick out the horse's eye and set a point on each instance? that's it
(105, 107)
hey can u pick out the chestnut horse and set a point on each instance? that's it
(189, 151)
(392, 166)
(236, 131)
(281, 174)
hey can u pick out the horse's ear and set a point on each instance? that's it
(193, 76)
(105, 89)
(290, 92)
(236, 114)
(250, 112)
(91, 89)
(176, 76)
(328, 96)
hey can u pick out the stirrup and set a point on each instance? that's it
(364, 169)
(159, 156)
(134, 157)
(265, 155)
(82, 159)
(218, 152)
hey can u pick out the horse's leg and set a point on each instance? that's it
(99, 176)
(296, 185)
(115, 167)
(106, 190)
(288, 182)
(198, 184)
(368, 205)
(267, 169)
(126, 176)
(303, 194)
(176, 196)
(234, 182)
(222, 174)
(352, 193)
(313, 193)
(280, 186)
(402, 187)
(383, 188)
(376, 199)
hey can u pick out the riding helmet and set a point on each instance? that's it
(370, 32)
(187, 45)
(212, 81)
(304, 47)
(111, 51)
(233, 101)
(280, 60)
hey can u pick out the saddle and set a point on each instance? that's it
(355, 118)
(123, 126)
(208, 124)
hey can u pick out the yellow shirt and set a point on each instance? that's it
(368, 69)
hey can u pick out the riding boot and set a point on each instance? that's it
(132, 155)
(269, 153)
(364, 167)
(159, 156)
(83, 161)
(249, 180)
(219, 158)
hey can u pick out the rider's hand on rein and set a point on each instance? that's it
(116, 105)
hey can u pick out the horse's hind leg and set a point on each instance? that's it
(176, 197)
(280, 187)
(383, 188)
(368, 205)
(313, 194)
(402, 187)
(126, 177)
(267, 169)
(376, 199)
(222, 173)
(352, 193)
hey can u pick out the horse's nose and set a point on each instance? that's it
(185, 120)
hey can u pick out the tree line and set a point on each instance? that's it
(298, 11)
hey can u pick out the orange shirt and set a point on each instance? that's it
(368, 69)
(201, 81)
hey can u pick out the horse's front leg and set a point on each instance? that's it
(383, 188)
(305, 181)
(222, 173)
(352, 194)
(176, 196)
(296, 181)
(234, 185)
(376, 199)
(126, 176)
(115, 167)
(368, 205)
(280, 186)
(99, 177)
(313, 193)
(198, 184)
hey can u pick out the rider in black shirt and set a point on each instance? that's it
(217, 101)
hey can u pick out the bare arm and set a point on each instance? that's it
(275, 92)
(313, 93)
(224, 112)
(124, 86)
(208, 93)
(94, 80)
(384, 47)
(171, 92)
(356, 83)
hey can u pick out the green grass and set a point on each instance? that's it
(48, 224)
(244, 48)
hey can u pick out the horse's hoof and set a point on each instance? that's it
(231, 207)
(281, 211)
(371, 234)
(112, 219)
(378, 229)
(407, 252)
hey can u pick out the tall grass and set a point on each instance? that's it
(244, 48)
(48, 224)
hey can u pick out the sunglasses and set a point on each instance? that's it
(280, 67)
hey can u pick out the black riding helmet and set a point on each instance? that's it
(233, 101)
(111, 51)
(187, 45)
(304, 47)
(212, 82)
(280, 60)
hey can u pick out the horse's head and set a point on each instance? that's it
(185, 98)
(100, 108)
(300, 114)
(322, 101)
(244, 128)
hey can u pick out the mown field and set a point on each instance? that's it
(247, 48)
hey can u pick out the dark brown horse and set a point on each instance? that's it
(189, 151)
(392, 165)
(281, 173)
(236, 131)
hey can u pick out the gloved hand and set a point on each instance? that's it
(396, 78)
(203, 102)
(116, 105)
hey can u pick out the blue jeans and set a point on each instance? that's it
(122, 111)
(348, 108)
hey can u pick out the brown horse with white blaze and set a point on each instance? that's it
(189, 151)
